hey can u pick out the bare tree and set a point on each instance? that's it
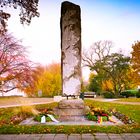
(15, 68)
(97, 52)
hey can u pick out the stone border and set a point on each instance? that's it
(30, 121)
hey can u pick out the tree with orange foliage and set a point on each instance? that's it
(135, 60)
(107, 85)
(45, 79)
(15, 68)
(112, 73)
(50, 81)
(31, 88)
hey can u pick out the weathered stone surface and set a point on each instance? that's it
(71, 48)
(71, 110)
(72, 103)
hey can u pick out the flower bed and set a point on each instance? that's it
(100, 115)
(125, 119)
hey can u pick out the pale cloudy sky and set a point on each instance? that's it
(115, 20)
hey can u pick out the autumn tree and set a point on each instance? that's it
(94, 82)
(107, 85)
(15, 68)
(50, 81)
(135, 61)
(115, 69)
(46, 79)
(30, 89)
(28, 10)
(93, 58)
(114, 72)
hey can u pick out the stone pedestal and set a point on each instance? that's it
(71, 110)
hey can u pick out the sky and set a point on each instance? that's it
(114, 20)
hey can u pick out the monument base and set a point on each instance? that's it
(71, 110)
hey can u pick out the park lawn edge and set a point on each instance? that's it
(136, 100)
(46, 129)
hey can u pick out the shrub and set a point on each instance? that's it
(91, 117)
(138, 94)
(108, 95)
(129, 93)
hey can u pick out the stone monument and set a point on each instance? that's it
(71, 109)
(70, 48)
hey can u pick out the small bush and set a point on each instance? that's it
(91, 117)
(108, 95)
(128, 93)
(138, 94)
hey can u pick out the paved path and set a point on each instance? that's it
(26, 101)
(35, 101)
(116, 101)
(16, 105)
(95, 136)
(128, 103)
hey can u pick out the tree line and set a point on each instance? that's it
(18, 72)
(112, 72)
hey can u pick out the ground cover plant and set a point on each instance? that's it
(7, 125)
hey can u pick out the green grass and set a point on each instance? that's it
(44, 129)
(133, 111)
(6, 114)
(129, 100)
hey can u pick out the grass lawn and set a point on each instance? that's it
(129, 100)
(9, 124)
(133, 111)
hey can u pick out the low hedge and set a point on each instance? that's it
(108, 95)
(138, 94)
(129, 93)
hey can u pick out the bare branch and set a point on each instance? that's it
(15, 68)
(97, 52)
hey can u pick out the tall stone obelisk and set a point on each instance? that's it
(71, 48)
(73, 109)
